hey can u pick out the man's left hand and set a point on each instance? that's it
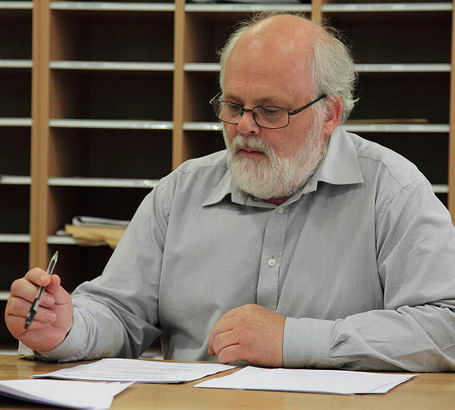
(250, 332)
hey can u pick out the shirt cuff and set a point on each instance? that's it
(307, 343)
(71, 347)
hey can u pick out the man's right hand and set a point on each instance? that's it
(54, 318)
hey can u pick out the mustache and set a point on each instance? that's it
(241, 143)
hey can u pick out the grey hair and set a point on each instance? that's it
(333, 67)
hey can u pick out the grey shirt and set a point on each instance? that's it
(361, 262)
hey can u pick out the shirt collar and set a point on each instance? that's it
(340, 166)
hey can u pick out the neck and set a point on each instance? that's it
(276, 201)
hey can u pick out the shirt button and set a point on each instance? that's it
(271, 262)
(280, 210)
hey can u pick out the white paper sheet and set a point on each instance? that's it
(71, 394)
(144, 371)
(303, 380)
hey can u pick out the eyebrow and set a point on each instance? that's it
(261, 101)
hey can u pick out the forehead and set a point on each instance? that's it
(263, 67)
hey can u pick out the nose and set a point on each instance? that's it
(247, 124)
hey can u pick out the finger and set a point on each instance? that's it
(24, 289)
(20, 308)
(223, 340)
(223, 325)
(232, 353)
(38, 277)
(59, 294)
(16, 325)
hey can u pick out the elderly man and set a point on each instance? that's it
(300, 245)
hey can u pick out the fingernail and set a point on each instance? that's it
(43, 279)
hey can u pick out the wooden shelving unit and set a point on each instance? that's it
(101, 99)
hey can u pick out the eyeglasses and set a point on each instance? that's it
(265, 116)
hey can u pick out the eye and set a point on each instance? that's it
(232, 107)
(271, 111)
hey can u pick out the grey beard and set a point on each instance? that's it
(271, 176)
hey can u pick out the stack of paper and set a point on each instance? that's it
(71, 394)
(302, 380)
(145, 371)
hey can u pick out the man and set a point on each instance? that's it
(302, 246)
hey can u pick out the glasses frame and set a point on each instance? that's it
(243, 110)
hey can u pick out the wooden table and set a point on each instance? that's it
(429, 391)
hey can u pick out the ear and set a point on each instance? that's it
(334, 113)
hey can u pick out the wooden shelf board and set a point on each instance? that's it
(15, 122)
(5, 63)
(15, 180)
(220, 8)
(110, 6)
(61, 240)
(386, 7)
(14, 238)
(397, 127)
(421, 128)
(113, 124)
(110, 65)
(102, 182)
(16, 5)
(381, 68)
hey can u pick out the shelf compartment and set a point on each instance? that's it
(65, 202)
(14, 209)
(203, 143)
(15, 263)
(204, 85)
(16, 93)
(418, 148)
(15, 151)
(207, 27)
(116, 154)
(403, 96)
(418, 37)
(16, 30)
(77, 264)
(113, 95)
(94, 33)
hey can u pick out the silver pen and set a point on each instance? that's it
(34, 308)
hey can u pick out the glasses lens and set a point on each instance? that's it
(265, 116)
(271, 117)
(229, 112)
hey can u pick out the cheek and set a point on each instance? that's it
(229, 132)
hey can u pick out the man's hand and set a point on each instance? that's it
(54, 317)
(250, 332)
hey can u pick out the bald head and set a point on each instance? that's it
(291, 45)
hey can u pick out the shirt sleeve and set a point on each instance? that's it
(416, 329)
(116, 314)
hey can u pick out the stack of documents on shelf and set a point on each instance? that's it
(71, 394)
(92, 231)
(312, 381)
(136, 370)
